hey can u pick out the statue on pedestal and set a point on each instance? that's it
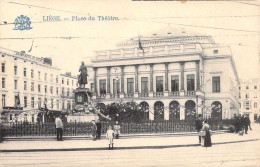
(83, 77)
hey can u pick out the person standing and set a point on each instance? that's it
(93, 130)
(198, 125)
(110, 137)
(117, 130)
(206, 140)
(99, 128)
(246, 123)
(59, 128)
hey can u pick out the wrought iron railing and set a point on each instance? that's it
(81, 128)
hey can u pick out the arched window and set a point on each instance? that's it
(216, 110)
(190, 109)
(158, 110)
(174, 108)
(145, 110)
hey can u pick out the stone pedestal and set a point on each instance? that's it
(136, 94)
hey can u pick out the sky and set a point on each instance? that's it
(235, 24)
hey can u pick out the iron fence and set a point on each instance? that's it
(80, 129)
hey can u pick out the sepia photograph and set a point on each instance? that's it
(133, 83)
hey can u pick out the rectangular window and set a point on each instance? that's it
(52, 104)
(15, 84)
(45, 89)
(3, 100)
(190, 82)
(159, 84)
(144, 85)
(247, 95)
(68, 82)
(215, 84)
(255, 87)
(63, 105)
(57, 91)
(25, 101)
(57, 104)
(62, 81)
(32, 102)
(62, 91)
(102, 86)
(45, 76)
(72, 82)
(175, 83)
(3, 82)
(68, 92)
(3, 67)
(24, 72)
(57, 79)
(32, 86)
(15, 70)
(39, 102)
(25, 85)
(16, 100)
(247, 87)
(130, 85)
(39, 88)
(51, 77)
(92, 86)
(32, 73)
(39, 75)
(68, 105)
(51, 89)
(116, 86)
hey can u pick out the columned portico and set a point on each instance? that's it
(122, 80)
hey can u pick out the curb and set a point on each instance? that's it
(124, 148)
(44, 138)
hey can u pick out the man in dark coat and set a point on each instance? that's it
(83, 75)
(246, 123)
(99, 128)
(198, 125)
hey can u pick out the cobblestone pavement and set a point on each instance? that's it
(236, 154)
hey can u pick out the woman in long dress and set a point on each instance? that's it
(207, 138)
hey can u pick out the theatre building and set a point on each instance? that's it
(170, 74)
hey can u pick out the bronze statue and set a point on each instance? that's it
(83, 77)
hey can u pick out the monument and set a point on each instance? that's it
(85, 109)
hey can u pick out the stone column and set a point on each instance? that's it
(122, 80)
(151, 77)
(166, 77)
(136, 78)
(95, 79)
(108, 79)
(136, 82)
(182, 76)
(198, 74)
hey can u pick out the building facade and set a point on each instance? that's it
(171, 75)
(29, 83)
(249, 98)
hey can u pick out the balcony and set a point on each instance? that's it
(113, 96)
(151, 95)
(129, 95)
(143, 95)
(176, 93)
(158, 94)
(190, 93)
